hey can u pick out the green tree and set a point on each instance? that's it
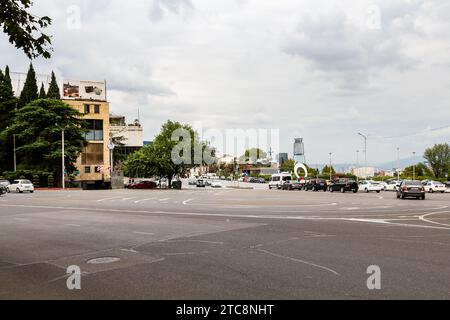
(421, 170)
(7, 105)
(157, 159)
(439, 159)
(42, 94)
(24, 28)
(326, 170)
(253, 155)
(30, 89)
(288, 166)
(38, 127)
(53, 89)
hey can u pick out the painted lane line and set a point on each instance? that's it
(126, 199)
(144, 233)
(424, 218)
(299, 261)
(163, 200)
(144, 200)
(74, 225)
(187, 201)
(312, 218)
(109, 199)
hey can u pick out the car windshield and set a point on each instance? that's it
(287, 178)
(413, 183)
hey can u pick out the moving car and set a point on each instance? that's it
(277, 180)
(21, 186)
(4, 183)
(370, 186)
(316, 185)
(344, 185)
(393, 185)
(143, 185)
(292, 185)
(383, 185)
(435, 186)
(411, 188)
(192, 182)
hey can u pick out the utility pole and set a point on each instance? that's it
(365, 148)
(63, 161)
(398, 164)
(414, 165)
(15, 157)
(331, 171)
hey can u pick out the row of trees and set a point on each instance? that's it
(33, 124)
(156, 160)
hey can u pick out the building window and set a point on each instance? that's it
(97, 108)
(95, 130)
(92, 154)
(87, 169)
(87, 109)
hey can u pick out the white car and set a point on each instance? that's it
(392, 186)
(383, 185)
(21, 186)
(370, 186)
(216, 184)
(434, 186)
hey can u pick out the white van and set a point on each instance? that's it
(278, 179)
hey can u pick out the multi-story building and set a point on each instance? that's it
(93, 165)
(130, 133)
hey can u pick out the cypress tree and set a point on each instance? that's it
(53, 89)
(30, 89)
(8, 83)
(42, 94)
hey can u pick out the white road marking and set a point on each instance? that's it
(423, 218)
(21, 219)
(73, 225)
(187, 201)
(144, 200)
(300, 261)
(166, 199)
(126, 199)
(144, 233)
(108, 199)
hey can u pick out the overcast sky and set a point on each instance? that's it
(321, 70)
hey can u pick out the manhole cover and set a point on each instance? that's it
(103, 260)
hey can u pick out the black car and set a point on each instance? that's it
(2, 190)
(344, 185)
(292, 185)
(200, 183)
(316, 185)
(411, 188)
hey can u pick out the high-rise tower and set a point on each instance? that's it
(299, 151)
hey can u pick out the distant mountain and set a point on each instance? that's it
(406, 162)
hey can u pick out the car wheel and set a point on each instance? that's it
(423, 197)
(31, 191)
(442, 191)
(403, 196)
(18, 190)
(7, 190)
(355, 191)
(331, 190)
(367, 190)
(342, 190)
(398, 196)
(431, 191)
(378, 191)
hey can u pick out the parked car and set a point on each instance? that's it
(435, 186)
(344, 185)
(201, 183)
(316, 185)
(383, 185)
(2, 190)
(292, 185)
(4, 183)
(370, 186)
(261, 180)
(192, 182)
(279, 179)
(143, 185)
(216, 184)
(393, 185)
(21, 186)
(411, 188)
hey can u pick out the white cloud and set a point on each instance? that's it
(310, 68)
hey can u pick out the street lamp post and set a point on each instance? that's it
(331, 171)
(398, 164)
(414, 165)
(63, 161)
(365, 147)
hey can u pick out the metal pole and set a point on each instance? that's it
(398, 164)
(414, 166)
(63, 162)
(331, 171)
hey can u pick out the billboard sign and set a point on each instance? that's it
(89, 90)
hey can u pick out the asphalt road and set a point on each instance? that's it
(223, 244)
